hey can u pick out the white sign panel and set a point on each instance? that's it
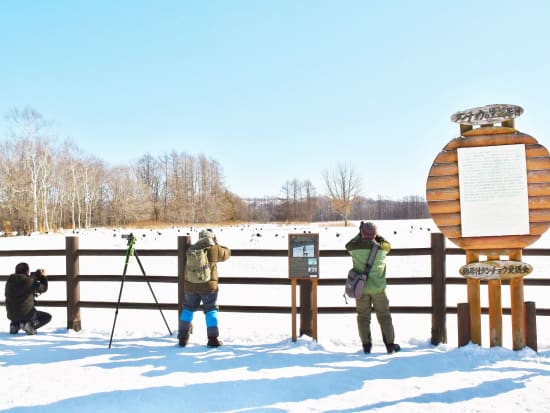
(493, 190)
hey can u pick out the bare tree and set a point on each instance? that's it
(293, 199)
(284, 208)
(93, 176)
(45, 183)
(150, 174)
(72, 179)
(297, 201)
(35, 152)
(296, 197)
(343, 186)
(180, 170)
(14, 195)
(125, 196)
(310, 199)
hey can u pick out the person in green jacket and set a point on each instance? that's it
(21, 289)
(374, 296)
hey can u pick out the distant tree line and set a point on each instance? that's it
(320, 208)
(46, 186)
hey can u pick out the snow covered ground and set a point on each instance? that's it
(259, 369)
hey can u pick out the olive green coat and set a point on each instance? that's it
(359, 249)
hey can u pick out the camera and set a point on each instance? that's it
(40, 284)
(38, 273)
(130, 237)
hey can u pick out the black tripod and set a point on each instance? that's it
(131, 251)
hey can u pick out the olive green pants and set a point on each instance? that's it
(381, 305)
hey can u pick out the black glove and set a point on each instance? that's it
(379, 239)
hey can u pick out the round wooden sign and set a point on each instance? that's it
(443, 190)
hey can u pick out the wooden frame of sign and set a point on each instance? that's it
(444, 204)
(303, 265)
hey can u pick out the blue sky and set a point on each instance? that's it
(275, 90)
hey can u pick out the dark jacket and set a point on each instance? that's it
(216, 253)
(20, 292)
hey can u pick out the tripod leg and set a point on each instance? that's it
(151, 289)
(128, 253)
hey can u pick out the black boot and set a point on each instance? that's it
(367, 348)
(214, 342)
(15, 326)
(185, 328)
(28, 328)
(393, 348)
(213, 334)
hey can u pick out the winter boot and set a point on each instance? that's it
(29, 329)
(185, 328)
(393, 348)
(214, 342)
(367, 348)
(15, 327)
(212, 332)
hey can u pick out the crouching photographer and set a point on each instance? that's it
(21, 290)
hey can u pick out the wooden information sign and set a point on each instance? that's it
(488, 191)
(303, 265)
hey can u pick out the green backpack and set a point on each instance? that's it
(197, 269)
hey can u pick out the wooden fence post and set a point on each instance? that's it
(518, 307)
(439, 305)
(184, 242)
(531, 325)
(306, 308)
(474, 301)
(495, 308)
(463, 323)
(73, 285)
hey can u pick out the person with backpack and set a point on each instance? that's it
(20, 291)
(201, 285)
(374, 297)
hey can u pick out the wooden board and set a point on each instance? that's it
(443, 191)
(487, 114)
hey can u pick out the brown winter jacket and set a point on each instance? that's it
(216, 253)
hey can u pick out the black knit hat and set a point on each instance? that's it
(22, 268)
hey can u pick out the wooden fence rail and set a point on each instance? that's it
(438, 282)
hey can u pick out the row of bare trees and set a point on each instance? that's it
(184, 189)
(277, 209)
(299, 201)
(46, 186)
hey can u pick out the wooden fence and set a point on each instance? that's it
(438, 281)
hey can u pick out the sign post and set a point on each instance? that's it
(303, 267)
(488, 191)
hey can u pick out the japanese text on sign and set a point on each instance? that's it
(496, 270)
(487, 114)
